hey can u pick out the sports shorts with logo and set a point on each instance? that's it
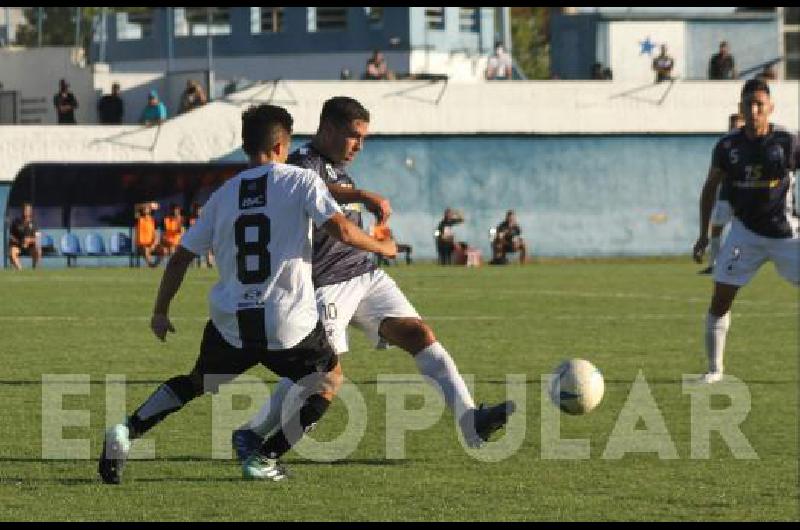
(364, 301)
(219, 362)
(745, 251)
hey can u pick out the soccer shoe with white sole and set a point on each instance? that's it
(116, 447)
(710, 378)
(245, 442)
(479, 424)
(259, 467)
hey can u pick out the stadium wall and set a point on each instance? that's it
(591, 168)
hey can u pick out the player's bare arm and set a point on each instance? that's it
(170, 283)
(378, 205)
(707, 197)
(341, 228)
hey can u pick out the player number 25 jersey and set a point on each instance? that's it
(258, 224)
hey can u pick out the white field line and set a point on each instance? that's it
(475, 318)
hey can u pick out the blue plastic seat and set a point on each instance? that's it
(70, 247)
(95, 245)
(47, 244)
(120, 244)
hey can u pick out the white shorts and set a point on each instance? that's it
(745, 251)
(721, 215)
(364, 301)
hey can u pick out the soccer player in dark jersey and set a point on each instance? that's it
(756, 167)
(721, 214)
(351, 289)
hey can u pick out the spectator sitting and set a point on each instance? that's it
(377, 69)
(172, 231)
(146, 238)
(110, 108)
(22, 238)
(721, 64)
(597, 71)
(193, 96)
(663, 65)
(382, 232)
(345, 74)
(507, 239)
(155, 112)
(500, 64)
(65, 104)
(445, 237)
(607, 75)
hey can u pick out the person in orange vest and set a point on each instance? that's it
(146, 237)
(172, 231)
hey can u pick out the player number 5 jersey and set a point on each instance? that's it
(258, 224)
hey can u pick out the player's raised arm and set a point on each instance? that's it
(378, 205)
(339, 227)
(713, 181)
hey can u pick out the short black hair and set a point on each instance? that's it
(262, 127)
(754, 85)
(341, 110)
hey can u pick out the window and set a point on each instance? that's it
(327, 19)
(791, 16)
(792, 54)
(468, 19)
(266, 20)
(374, 16)
(434, 17)
(193, 21)
(135, 26)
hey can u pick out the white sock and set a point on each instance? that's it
(436, 363)
(716, 331)
(713, 251)
(268, 418)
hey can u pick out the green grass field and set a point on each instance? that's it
(626, 316)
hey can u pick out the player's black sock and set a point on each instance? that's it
(283, 440)
(169, 397)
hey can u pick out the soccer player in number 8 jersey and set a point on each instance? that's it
(351, 290)
(756, 166)
(262, 308)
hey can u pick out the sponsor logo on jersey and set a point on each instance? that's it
(253, 193)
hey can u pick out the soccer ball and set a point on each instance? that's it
(577, 386)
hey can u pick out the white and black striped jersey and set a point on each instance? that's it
(258, 224)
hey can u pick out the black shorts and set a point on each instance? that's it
(219, 362)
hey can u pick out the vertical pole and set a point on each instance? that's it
(210, 55)
(8, 27)
(39, 15)
(170, 32)
(77, 26)
(103, 33)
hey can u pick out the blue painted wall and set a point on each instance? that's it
(295, 38)
(574, 195)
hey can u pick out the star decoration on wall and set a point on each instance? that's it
(646, 46)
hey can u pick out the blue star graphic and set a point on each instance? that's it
(647, 46)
